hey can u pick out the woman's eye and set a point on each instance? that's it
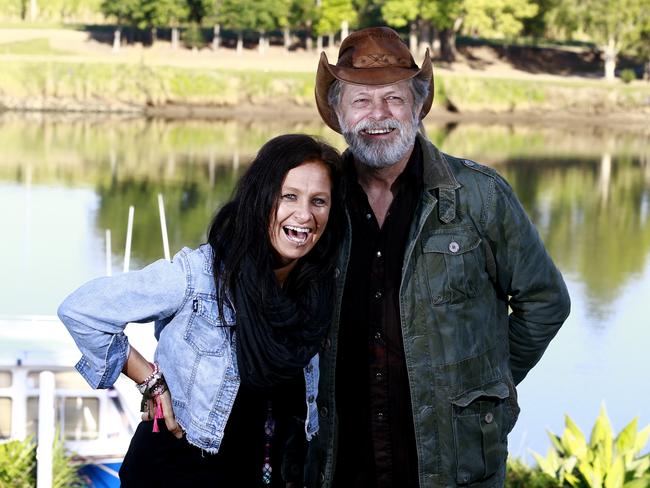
(288, 196)
(320, 202)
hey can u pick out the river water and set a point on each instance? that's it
(65, 181)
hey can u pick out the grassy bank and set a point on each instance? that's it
(74, 86)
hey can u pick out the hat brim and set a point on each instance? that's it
(327, 73)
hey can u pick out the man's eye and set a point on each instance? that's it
(395, 100)
(360, 102)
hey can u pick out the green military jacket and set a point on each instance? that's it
(480, 300)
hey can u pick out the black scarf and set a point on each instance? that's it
(277, 335)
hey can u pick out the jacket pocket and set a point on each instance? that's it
(454, 265)
(205, 331)
(481, 421)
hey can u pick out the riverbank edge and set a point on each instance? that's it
(172, 92)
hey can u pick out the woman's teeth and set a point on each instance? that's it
(297, 234)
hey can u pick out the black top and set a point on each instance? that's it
(376, 445)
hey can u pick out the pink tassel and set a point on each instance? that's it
(158, 414)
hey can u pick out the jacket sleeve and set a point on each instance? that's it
(97, 313)
(537, 296)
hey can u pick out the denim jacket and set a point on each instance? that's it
(196, 349)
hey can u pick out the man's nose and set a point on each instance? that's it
(380, 110)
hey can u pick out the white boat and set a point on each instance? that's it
(96, 425)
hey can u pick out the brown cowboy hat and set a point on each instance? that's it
(372, 56)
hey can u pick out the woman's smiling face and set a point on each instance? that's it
(301, 212)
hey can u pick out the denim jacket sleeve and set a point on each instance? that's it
(538, 298)
(97, 313)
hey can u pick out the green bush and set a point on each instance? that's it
(193, 37)
(18, 465)
(627, 75)
(604, 461)
(520, 475)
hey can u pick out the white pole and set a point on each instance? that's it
(163, 227)
(46, 430)
(129, 232)
(109, 269)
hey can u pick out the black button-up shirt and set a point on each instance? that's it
(376, 445)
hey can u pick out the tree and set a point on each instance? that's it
(159, 13)
(447, 16)
(497, 18)
(400, 13)
(614, 25)
(258, 15)
(335, 15)
(302, 15)
(123, 12)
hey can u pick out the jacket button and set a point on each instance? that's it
(454, 246)
(489, 417)
(337, 272)
(323, 411)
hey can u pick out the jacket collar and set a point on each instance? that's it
(438, 175)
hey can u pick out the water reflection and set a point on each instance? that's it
(588, 192)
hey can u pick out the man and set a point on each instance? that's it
(418, 375)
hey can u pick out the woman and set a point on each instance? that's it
(238, 321)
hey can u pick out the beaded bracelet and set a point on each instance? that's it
(150, 380)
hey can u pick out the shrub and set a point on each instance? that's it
(520, 475)
(193, 37)
(603, 462)
(18, 465)
(627, 75)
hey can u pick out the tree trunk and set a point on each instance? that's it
(287, 38)
(646, 75)
(413, 36)
(448, 45)
(117, 38)
(435, 42)
(216, 37)
(609, 55)
(240, 42)
(308, 41)
(424, 27)
(319, 43)
(154, 35)
(345, 29)
(261, 45)
(33, 10)
(330, 40)
(175, 38)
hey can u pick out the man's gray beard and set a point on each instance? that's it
(380, 154)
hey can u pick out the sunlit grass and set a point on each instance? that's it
(40, 46)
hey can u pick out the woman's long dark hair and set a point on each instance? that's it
(241, 227)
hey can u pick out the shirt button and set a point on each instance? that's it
(379, 376)
(378, 254)
(489, 417)
(454, 246)
(368, 216)
(378, 295)
(380, 415)
(310, 399)
(378, 336)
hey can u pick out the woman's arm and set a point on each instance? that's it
(138, 369)
(97, 313)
